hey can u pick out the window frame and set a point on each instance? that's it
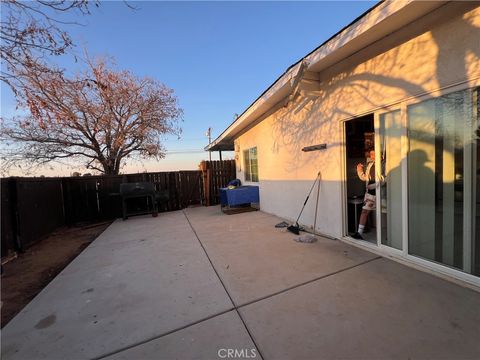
(251, 171)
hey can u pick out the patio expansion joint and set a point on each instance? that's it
(305, 283)
(143, 342)
(235, 307)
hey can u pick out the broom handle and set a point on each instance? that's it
(316, 204)
(308, 196)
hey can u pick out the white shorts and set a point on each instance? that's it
(369, 202)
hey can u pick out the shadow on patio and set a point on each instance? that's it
(196, 283)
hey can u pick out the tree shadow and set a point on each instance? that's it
(314, 117)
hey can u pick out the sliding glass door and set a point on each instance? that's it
(442, 180)
(427, 170)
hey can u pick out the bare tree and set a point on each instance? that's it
(98, 118)
(31, 31)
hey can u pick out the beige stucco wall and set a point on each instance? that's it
(432, 54)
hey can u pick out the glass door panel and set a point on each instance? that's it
(441, 181)
(390, 178)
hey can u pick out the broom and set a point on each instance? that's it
(295, 228)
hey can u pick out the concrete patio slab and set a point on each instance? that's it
(141, 278)
(210, 339)
(379, 310)
(255, 259)
(145, 289)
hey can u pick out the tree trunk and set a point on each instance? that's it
(109, 167)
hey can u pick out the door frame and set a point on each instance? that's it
(344, 191)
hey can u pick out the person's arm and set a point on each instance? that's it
(361, 173)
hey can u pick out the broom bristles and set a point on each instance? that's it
(294, 229)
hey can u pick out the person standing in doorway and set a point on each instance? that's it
(367, 175)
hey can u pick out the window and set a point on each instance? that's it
(250, 164)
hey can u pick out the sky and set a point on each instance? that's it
(217, 56)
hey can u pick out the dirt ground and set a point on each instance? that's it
(25, 276)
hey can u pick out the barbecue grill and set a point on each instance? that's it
(140, 190)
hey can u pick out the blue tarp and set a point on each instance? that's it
(239, 196)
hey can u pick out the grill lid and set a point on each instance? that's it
(138, 188)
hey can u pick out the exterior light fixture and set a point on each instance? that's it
(314, 147)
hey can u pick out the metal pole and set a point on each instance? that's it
(209, 135)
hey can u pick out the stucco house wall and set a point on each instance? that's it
(428, 57)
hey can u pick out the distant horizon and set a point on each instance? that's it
(148, 166)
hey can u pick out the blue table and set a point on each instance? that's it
(239, 196)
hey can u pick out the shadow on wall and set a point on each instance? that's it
(412, 62)
(294, 192)
(313, 116)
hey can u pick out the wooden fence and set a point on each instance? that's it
(216, 174)
(97, 197)
(31, 208)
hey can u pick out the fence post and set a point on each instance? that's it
(206, 175)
